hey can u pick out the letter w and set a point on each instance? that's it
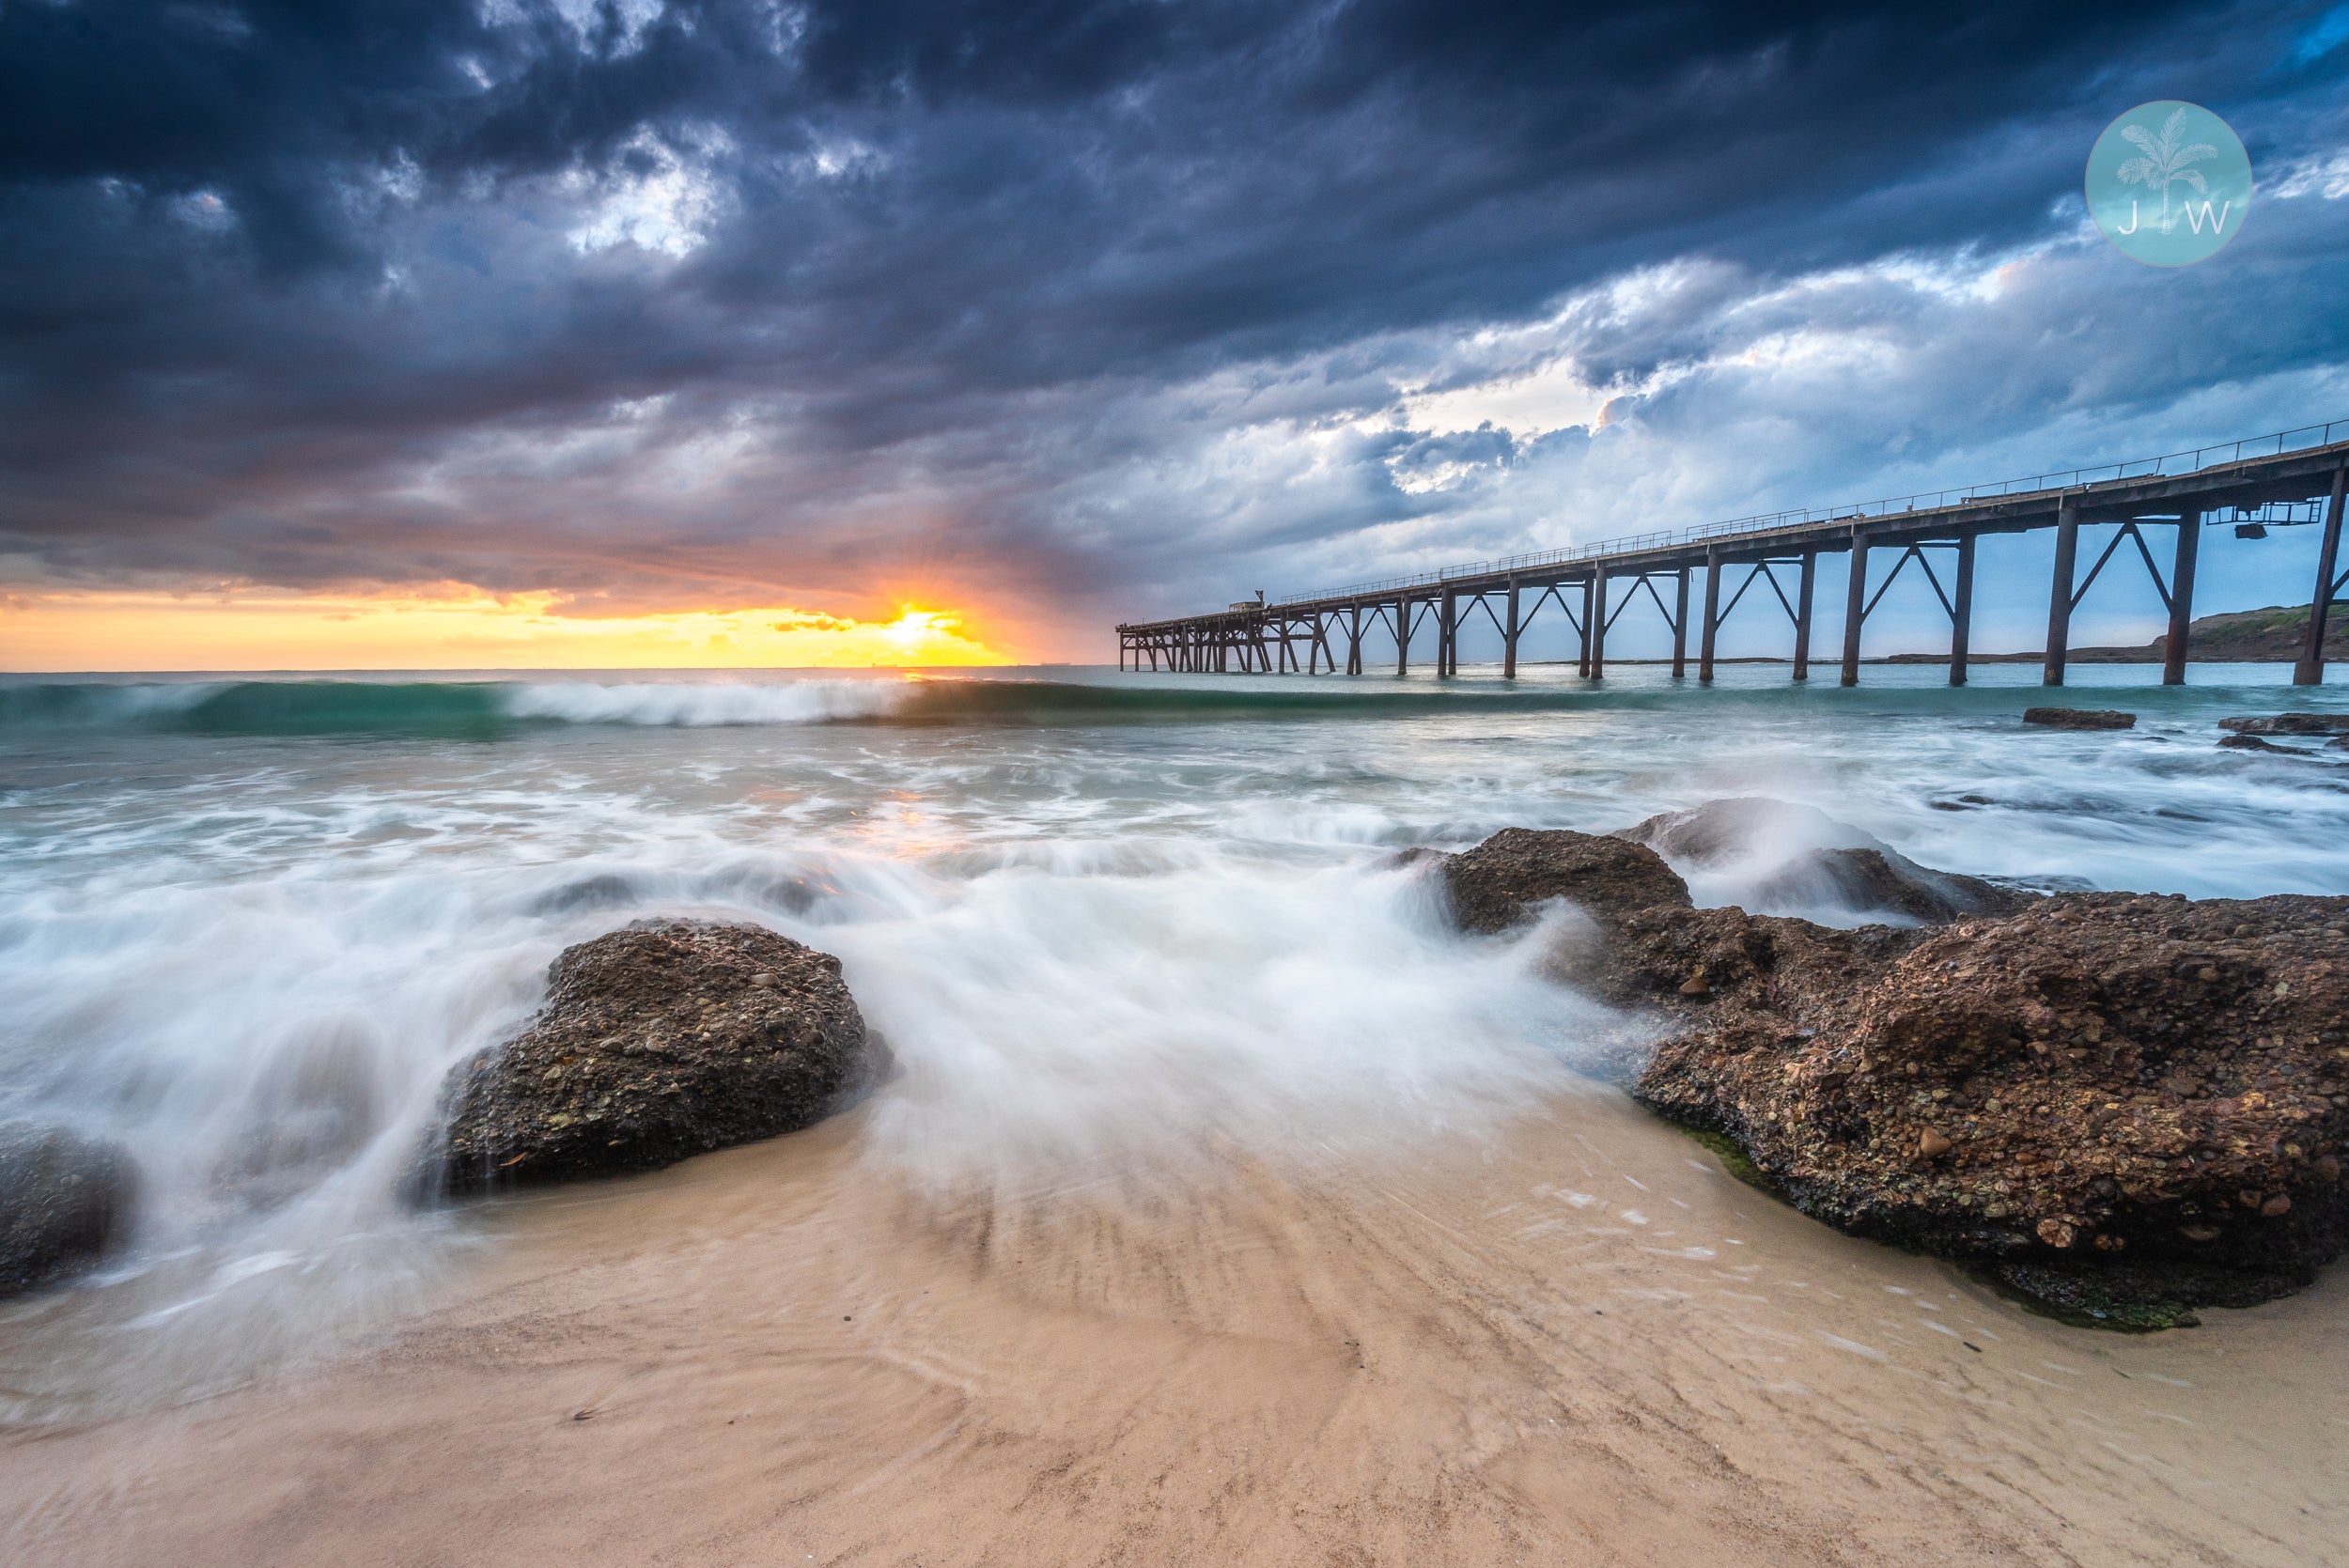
(2196, 221)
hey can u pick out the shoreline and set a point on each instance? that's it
(1570, 1338)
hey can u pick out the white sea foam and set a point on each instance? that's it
(1044, 1019)
(269, 1047)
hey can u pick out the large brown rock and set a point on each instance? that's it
(64, 1199)
(2289, 723)
(2131, 1105)
(1802, 858)
(2120, 1104)
(1496, 884)
(2079, 718)
(657, 1042)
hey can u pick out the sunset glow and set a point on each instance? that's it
(454, 629)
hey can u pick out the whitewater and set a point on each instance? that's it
(1104, 921)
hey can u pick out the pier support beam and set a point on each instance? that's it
(2180, 596)
(2067, 559)
(1712, 623)
(1354, 643)
(1855, 607)
(1598, 625)
(2310, 669)
(1509, 634)
(1680, 625)
(1403, 637)
(1583, 663)
(1448, 636)
(1962, 611)
(1803, 596)
(1509, 637)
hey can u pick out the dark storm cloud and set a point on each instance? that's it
(649, 302)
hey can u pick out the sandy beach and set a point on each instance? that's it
(1576, 1341)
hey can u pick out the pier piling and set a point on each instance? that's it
(2310, 669)
(1706, 632)
(2180, 596)
(1680, 624)
(1803, 596)
(1509, 637)
(2067, 553)
(1598, 626)
(1855, 606)
(1961, 614)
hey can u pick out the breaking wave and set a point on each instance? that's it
(489, 710)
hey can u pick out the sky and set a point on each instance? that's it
(543, 332)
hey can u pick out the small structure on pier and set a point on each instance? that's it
(2297, 476)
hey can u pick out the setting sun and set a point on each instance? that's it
(458, 628)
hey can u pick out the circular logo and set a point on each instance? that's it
(2168, 183)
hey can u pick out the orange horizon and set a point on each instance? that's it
(457, 628)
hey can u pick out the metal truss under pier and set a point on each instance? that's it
(2294, 477)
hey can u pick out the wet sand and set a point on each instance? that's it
(1573, 1341)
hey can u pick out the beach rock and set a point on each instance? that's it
(1496, 884)
(2127, 1106)
(2290, 723)
(1883, 879)
(2079, 718)
(1797, 857)
(64, 1199)
(1962, 802)
(2123, 1106)
(657, 1042)
(2254, 743)
(1650, 956)
(1722, 831)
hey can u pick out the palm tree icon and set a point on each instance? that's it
(2165, 162)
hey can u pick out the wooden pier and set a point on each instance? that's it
(2294, 477)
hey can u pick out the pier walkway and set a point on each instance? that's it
(2291, 478)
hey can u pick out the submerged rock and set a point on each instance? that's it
(1646, 942)
(64, 1199)
(2254, 743)
(2125, 1106)
(1496, 884)
(1799, 857)
(657, 1042)
(1888, 880)
(2290, 723)
(2079, 718)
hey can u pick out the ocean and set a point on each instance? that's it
(246, 924)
